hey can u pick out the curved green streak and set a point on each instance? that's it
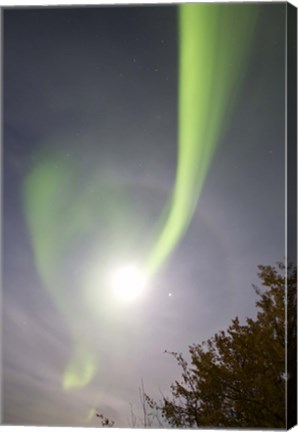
(213, 42)
(44, 197)
(59, 215)
(80, 370)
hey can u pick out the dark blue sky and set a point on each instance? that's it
(98, 86)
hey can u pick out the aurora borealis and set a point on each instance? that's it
(54, 223)
(128, 137)
(214, 42)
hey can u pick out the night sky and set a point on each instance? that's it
(96, 89)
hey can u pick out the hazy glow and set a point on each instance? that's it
(213, 44)
(127, 282)
(80, 370)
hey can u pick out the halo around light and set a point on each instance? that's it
(127, 282)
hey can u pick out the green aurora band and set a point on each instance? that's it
(214, 41)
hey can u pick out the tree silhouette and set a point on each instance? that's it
(244, 377)
(105, 421)
(238, 378)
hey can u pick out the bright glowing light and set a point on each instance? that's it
(128, 282)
